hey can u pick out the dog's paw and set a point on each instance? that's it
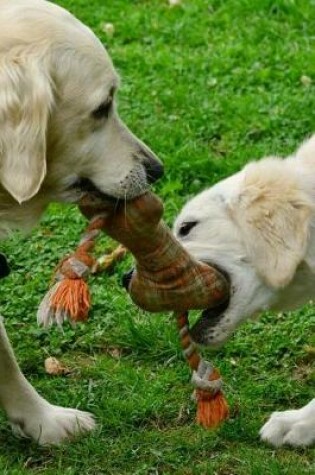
(52, 425)
(295, 427)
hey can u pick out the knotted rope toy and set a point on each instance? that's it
(166, 278)
(70, 298)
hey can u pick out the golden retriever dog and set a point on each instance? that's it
(59, 135)
(258, 226)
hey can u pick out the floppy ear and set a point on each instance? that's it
(273, 215)
(25, 102)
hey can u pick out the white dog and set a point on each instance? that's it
(59, 133)
(258, 226)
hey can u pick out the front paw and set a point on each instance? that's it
(52, 425)
(295, 428)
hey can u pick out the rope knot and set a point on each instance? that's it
(69, 298)
(206, 378)
(77, 266)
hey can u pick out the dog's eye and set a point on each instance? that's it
(185, 228)
(103, 110)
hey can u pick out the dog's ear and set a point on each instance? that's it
(273, 215)
(26, 99)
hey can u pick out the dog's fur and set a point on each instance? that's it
(58, 126)
(259, 227)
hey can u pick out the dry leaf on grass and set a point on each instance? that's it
(55, 367)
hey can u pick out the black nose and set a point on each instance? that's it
(153, 167)
(126, 278)
(154, 170)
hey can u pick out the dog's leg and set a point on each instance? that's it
(295, 427)
(29, 414)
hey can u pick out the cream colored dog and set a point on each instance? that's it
(258, 226)
(59, 134)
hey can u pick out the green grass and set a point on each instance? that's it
(209, 85)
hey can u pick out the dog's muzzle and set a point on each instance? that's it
(209, 319)
(135, 184)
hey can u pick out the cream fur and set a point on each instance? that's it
(53, 74)
(259, 226)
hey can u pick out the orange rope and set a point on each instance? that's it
(212, 407)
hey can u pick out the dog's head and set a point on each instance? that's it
(254, 226)
(58, 120)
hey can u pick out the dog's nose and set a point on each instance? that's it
(126, 278)
(154, 169)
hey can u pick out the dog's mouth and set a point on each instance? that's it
(136, 183)
(90, 199)
(202, 330)
(85, 188)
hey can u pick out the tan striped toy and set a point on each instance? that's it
(166, 278)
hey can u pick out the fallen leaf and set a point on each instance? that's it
(303, 373)
(114, 353)
(55, 367)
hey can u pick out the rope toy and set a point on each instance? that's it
(70, 298)
(166, 278)
(212, 407)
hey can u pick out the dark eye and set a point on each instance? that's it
(103, 110)
(185, 228)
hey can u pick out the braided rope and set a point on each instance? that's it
(204, 375)
(212, 407)
(69, 298)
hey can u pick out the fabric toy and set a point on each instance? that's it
(166, 278)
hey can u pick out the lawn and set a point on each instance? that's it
(209, 85)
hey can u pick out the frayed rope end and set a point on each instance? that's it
(72, 296)
(212, 409)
